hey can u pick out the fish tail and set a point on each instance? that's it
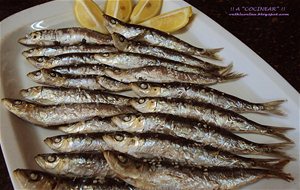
(210, 53)
(225, 70)
(280, 175)
(273, 164)
(272, 107)
(231, 76)
(278, 133)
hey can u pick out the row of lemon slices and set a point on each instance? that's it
(90, 15)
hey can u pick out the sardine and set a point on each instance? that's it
(62, 60)
(46, 116)
(59, 50)
(150, 175)
(75, 164)
(94, 125)
(38, 180)
(126, 45)
(65, 36)
(127, 60)
(161, 74)
(81, 70)
(77, 143)
(192, 130)
(52, 78)
(205, 94)
(53, 96)
(148, 145)
(209, 114)
(156, 37)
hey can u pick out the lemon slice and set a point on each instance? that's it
(144, 10)
(120, 9)
(170, 21)
(89, 15)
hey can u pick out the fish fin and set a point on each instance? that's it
(231, 76)
(280, 175)
(225, 70)
(272, 107)
(273, 164)
(278, 132)
(210, 53)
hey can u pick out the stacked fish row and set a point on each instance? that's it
(177, 134)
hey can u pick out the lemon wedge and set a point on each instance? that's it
(120, 9)
(144, 10)
(89, 15)
(170, 21)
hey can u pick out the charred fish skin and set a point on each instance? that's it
(205, 94)
(161, 74)
(77, 143)
(53, 96)
(52, 78)
(60, 50)
(127, 60)
(123, 44)
(156, 37)
(148, 175)
(65, 36)
(37, 180)
(209, 114)
(43, 62)
(51, 115)
(94, 125)
(144, 145)
(192, 130)
(75, 164)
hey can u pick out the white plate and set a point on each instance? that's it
(21, 141)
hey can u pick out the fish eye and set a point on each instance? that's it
(141, 100)
(57, 140)
(113, 21)
(52, 74)
(122, 159)
(117, 70)
(119, 137)
(51, 158)
(127, 118)
(38, 73)
(105, 54)
(40, 59)
(34, 176)
(30, 51)
(18, 102)
(144, 86)
(122, 39)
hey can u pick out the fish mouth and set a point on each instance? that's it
(23, 41)
(26, 53)
(21, 175)
(41, 161)
(7, 102)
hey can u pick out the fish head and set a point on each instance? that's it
(144, 105)
(120, 42)
(30, 52)
(129, 122)
(122, 142)
(58, 143)
(33, 38)
(104, 57)
(124, 165)
(18, 107)
(31, 179)
(49, 161)
(114, 73)
(31, 93)
(45, 76)
(41, 61)
(146, 89)
(113, 25)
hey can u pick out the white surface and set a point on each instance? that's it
(21, 142)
